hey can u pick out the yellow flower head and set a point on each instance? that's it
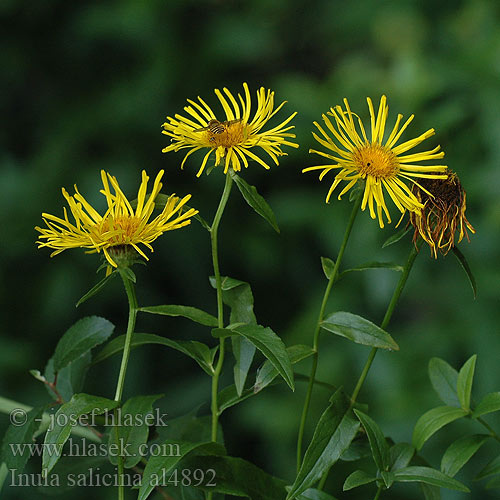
(232, 138)
(443, 214)
(379, 164)
(121, 227)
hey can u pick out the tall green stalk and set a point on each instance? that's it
(220, 308)
(132, 315)
(388, 315)
(331, 281)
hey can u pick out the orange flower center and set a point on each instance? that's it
(376, 160)
(121, 227)
(226, 134)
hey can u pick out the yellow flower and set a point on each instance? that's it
(233, 138)
(120, 228)
(443, 214)
(379, 164)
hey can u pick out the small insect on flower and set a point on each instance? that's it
(373, 162)
(215, 127)
(442, 215)
(234, 138)
(120, 231)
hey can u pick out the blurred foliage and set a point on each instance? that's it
(85, 86)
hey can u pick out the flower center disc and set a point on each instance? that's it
(376, 160)
(233, 134)
(123, 228)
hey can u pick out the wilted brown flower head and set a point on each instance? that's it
(443, 213)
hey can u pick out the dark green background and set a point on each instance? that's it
(85, 86)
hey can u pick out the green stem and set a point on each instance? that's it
(485, 424)
(220, 310)
(377, 495)
(331, 281)
(132, 315)
(388, 314)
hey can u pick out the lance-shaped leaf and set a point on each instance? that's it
(267, 372)
(96, 288)
(131, 431)
(489, 404)
(238, 296)
(378, 444)
(256, 201)
(159, 467)
(236, 477)
(314, 494)
(401, 455)
(192, 313)
(429, 476)
(65, 419)
(332, 436)
(358, 478)
(444, 381)
(267, 342)
(15, 445)
(396, 237)
(464, 382)
(465, 266)
(79, 338)
(201, 353)
(359, 330)
(373, 265)
(431, 421)
(460, 452)
(492, 468)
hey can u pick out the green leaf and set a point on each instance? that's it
(188, 312)
(468, 271)
(201, 353)
(430, 492)
(396, 237)
(16, 441)
(70, 379)
(359, 330)
(229, 397)
(127, 273)
(332, 436)
(159, 467)
(378, 444)
(429, 476)
(357, 450)
(373, 265)
(79, 338)
(444, 381)
(264, 339)
(357, 478)
(493, 483)
(65, 419)
(314, 494)
(328, 266)
(4, 472)
(489, 404)
(96, 288)
(460, 452)
(401, 455)
(238, 296)
(256, 201)
(387, 477)
(431, 421)
(267, 372)
(189, 428)
(492, 468)
(243, 351)
(236, 477)
(464, 382)
(132, 430)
